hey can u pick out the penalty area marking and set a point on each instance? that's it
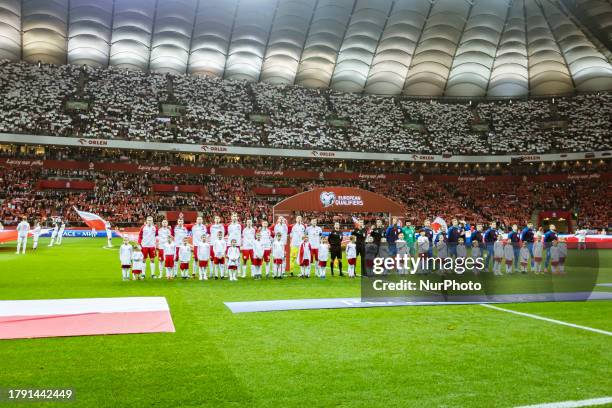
(572, 404)
(546, 319)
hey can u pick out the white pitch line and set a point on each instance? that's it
(572, 404)
(546, 319)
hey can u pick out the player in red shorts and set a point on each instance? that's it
(266, 241)
(248, 240)
(146, 239)
(163, 233)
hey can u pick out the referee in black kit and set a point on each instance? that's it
(335, 247)
(360, 233)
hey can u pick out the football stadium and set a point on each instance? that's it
(289, 203)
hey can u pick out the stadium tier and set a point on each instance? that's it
(126, 186)
(115, 103)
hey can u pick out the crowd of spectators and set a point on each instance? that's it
(126, 198)
(124, 104)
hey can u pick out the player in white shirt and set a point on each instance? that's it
(304, 257)
(137, 263)
(204, 250)
(524, 257)
(351, 256)
(60, 233)
(323, 258)
(35, 235)
(215, 228)
(538, 250)
(233, 260)
(554, 257)
(296, 233)
(146, 239)
(184, 257)
(581, 234)
(234, 230)
(248, 240)
(180, 233)
(562, 254)
(498, 255)
(109, 235)
(508, 256)
(125, 257)
(314, 233)
(278, 253)
(163, 233)
(94, 232)
(169, 248)
(219, 249)
(23, 228)
(198, 230)
(54, 233)
(266, 242)
(258, 253)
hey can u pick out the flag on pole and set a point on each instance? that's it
(92, 220)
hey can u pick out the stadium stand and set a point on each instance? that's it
(126, 104)
(126, 198)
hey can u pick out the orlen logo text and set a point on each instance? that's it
(422, 157)
(214, 149)
(318, 153)
(93, 142)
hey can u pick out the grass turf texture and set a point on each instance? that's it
(443, 356)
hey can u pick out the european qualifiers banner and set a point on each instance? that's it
(458, 274)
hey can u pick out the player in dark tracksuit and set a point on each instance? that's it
(515, 241)
(360, 234)
(490, 236)
(335, 247)
(549, 237)
(527, 235)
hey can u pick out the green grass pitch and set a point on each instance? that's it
(442, 356)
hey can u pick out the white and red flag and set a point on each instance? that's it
(438, 224)
(21, 319)
(92, 220)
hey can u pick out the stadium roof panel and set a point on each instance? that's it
(414, 47)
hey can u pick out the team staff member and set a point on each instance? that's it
(335, 247)
(409, 236)
(378, 232)
(360, 234)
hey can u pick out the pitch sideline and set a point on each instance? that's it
(572, 404)
(546, 319)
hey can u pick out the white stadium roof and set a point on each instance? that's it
(412, 47)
